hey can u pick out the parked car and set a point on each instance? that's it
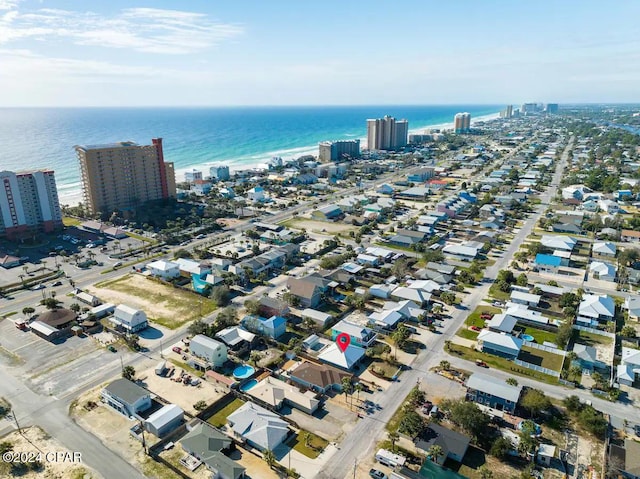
(117, 264)
(57, 283)
(176, 349)
(376, 474)
(112, 349)
(38, 286)
(481, 363)
(475, 328)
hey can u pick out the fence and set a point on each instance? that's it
(566, 383)
(534, 367)
(542, 347)
(594, 331)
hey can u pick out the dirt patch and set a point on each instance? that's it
(34, 441)
(165, 305)
(319, 226)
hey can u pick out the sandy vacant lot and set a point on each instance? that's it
(55, 469)
(327, 227)
(168, 306)
(178, 393)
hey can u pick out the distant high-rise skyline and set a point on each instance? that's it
(338, 150)
(387, 133)
(122, 176)
(28, 203)
(462, 122)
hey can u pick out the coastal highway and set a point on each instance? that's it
(360, 442)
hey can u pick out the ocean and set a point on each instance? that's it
(194, 137)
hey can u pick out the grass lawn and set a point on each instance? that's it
(590, 339)
(139, 237)
(68, 221)
(474, 318)
(219, 419)
(466, 333)
(495, 292)
(316, 444)
(184, 366)
(540, 335)
(499, 363)
(541, 358)
(388, 370)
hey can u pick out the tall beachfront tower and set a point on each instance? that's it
(28, 203)
(121, 176)
(387, 133)
(462, 122)
(338, 150)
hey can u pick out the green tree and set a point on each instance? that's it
(255, 357)
(435, 452)
(221, 295)
(448, 297)
(200, 405)
(401, 335)
(28, 311)
(252, 306)
(416, 396)
(485, 472)
(501, 447)
(50, 303)
(346, 387)
(75, 307)
(393, 438)
(628, 331)
(565, 333)
(412, 424)
(522, 280)
(535, 402)
(269, 457)
(467, 415)
(444, 364)
(512, 381)
(129, 372)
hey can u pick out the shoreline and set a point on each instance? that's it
(259, 161)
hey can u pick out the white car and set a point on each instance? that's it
(38, 286)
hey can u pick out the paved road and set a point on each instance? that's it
(361, 440)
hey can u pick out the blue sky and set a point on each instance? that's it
(312, 52)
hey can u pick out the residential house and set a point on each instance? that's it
(462, 252)
(276, 393)
(189, 267)
(318, 317)
(502, 323)
(237, 339)
(526, 316)
(626, 459)
(493, 392)
(87, 298)
(386, 319)
(407, 238)
(256, 194)
(547, 263)
(586, 356)
(563, 243)
(367, 259)
(630, 236)
(382, 291)
(164, 269)
(595, 309)
(327, 213)
(126, 397)
(629, 369)
(453, 444)
(258, 427)
(129, 319)
(604, 248)
(632, 305)
(273, 327)
(566, 228)
(8, 261)
(206, 444)
(318, 377)
(603, 271)
(164, 420)
(527, 299)
(346, 360)
(360, 335)
(213, 352)
(499, 344)
(268, 307)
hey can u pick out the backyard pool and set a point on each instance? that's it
(248, 385)
(528, 337)
(243, 372)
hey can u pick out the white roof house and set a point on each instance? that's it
(387, 318)
(381, 290)
(190, 266)
(408, 309)
(129, 318)
(275, 392)
(346, 360)
(234, 335)
(502, 323)
(427, 285)
(525, 298)
(317, 316)
(208, 349)
(605, 248)
(460, 251)
(164, 269)
(499, 343)
(164, 420)
(494, 386)
(632, 305)
(523, 313)
(417, 295)
(565, 243)
(630, 357)
(261, 428)
(603, 271)
(594, 308)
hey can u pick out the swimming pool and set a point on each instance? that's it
(528, 337)
(248, 385)
(243, 372)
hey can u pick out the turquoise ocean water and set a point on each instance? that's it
(193, 137)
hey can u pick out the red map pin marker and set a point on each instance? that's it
(343, 340)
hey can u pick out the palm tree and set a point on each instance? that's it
(269, 457)
(307, 439)
(511, 382)
(572, 356)
(357, 388)
(435, 452)
(346, 387)
(21, 276)
(393, 438)
(444, 364)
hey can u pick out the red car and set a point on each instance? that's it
(176, 349)
(475, 328)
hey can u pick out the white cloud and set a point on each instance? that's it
(148, 30)
(8, 4)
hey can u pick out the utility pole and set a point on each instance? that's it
(355, 465)
(13, 416)
(161, 347)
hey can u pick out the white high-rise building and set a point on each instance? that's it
(387, 133)
(28, 203)
(220, 172)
